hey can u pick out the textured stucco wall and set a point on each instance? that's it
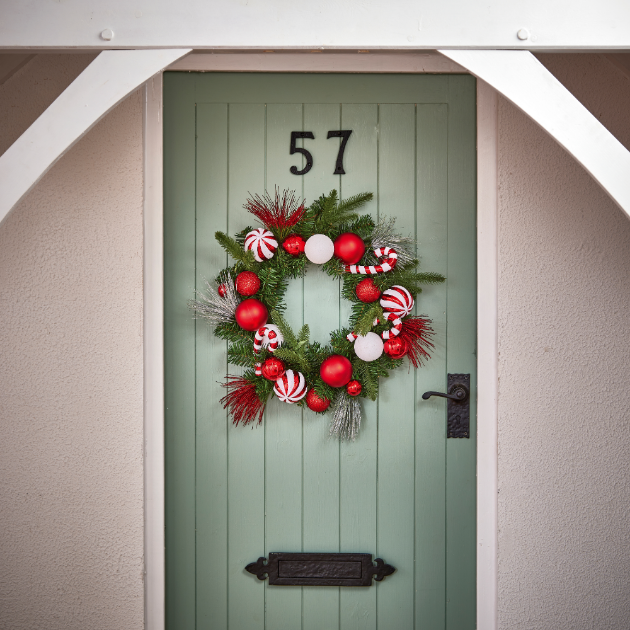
(564, 422)
(71, 481)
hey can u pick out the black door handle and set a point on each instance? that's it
(459, 393)
(458, 408)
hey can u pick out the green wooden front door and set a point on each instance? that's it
(402, 491)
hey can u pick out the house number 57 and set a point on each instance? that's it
(343, 134)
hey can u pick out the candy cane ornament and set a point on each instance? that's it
(269, 337)
(291, 387)
(388, 264)
(258, 369)
(262, 243)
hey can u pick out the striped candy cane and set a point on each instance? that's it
(388, 264)
(268, 336)
(352, 336)
(258, 369)
(395, 329)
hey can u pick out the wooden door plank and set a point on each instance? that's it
(462, 326)
(212, 420)
(431, 236)
(179, 351)
(396, 422)
(246, 448)
(358, 458)
(269, 87)
(283, 422)
(321, 454)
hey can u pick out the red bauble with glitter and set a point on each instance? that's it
(251, 314)
(315, 402)
(273, 369)
(367, 291)
(336, 370)
(294, 245)
(247, 283)
(222, 290)
(396, 348)
(349, 247)
(354, 388)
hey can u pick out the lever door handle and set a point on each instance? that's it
(458, 393)
(458, 408)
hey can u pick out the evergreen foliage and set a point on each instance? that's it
(331, 216)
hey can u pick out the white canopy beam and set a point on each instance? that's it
(101, 86)
(521, 78)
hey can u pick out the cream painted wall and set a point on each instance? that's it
(71, 478)
(564, 421)
(71, 448)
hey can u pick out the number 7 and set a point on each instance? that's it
(345, 134)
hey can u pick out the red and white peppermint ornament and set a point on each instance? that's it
(269, 337)
(291, 387)
(262, 243)
(388, 264)
(397, 301)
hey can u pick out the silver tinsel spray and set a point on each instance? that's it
(346, 420)
(211, 306)
(384, 235)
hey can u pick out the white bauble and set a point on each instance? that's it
(319, 249)
(369, 347)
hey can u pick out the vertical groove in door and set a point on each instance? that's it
(227, 366)
(430, 445)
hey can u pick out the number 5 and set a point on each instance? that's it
(293, 149)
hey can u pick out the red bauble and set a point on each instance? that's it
(222, 290)
(315, 403)
(273, 369)
(336, 370)
(367, 291)
(354, 388)
(349, 247)
(396, 348)
(251, 314)
(247, 283)
(294, 245)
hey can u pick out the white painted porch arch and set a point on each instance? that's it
(522, 79)
(112, 76)
(518, 75)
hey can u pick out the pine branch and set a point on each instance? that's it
(304, 335)
(365, 321)
(293, 358)
(241, 353)
(245, 257)
(290, 342)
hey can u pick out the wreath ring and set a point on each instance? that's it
(379, 270)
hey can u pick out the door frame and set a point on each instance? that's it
(487, 299)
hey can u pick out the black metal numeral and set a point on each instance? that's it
(309, 158)
(345, 134)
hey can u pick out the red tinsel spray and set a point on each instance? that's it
(279, 213)
(241, 401)
(417, 333)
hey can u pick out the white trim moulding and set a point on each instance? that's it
(417, 62)
(99, 88)
(487, 356)
(487, 270)
(522, 79)
(153, 312)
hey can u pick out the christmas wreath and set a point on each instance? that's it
(380, 277)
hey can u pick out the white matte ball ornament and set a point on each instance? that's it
(319, 249)
(369, 347)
